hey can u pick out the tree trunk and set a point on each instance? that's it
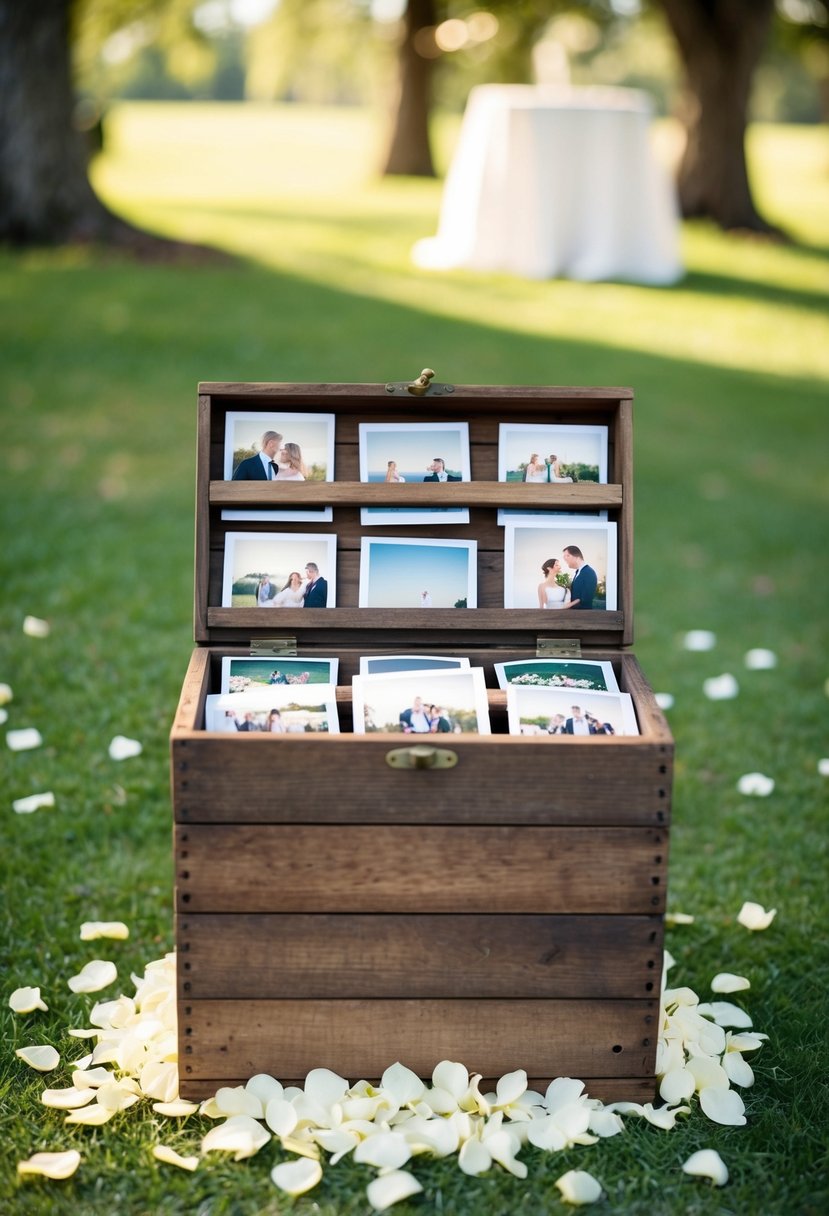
(409, 149)
(720, 43)
(45, 194)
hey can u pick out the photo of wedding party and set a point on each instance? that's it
(247, 674)
(422, 703)
(280, 710)
(273, 570)
(569, 712)
(567, 565)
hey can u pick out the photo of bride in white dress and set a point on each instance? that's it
(292, 594)
(550, 593)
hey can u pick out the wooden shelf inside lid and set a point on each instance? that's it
(560, 497)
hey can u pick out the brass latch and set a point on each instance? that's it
(267, 648)
(421, 756)
(421, 386)
(558, 648)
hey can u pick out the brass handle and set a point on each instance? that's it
(420, 386)
(421, 756)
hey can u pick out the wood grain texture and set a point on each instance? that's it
(318, 955)
(317, 394)
(287, 1038)
(582, 495)
(405, 868)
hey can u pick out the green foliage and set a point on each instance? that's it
(100, 361)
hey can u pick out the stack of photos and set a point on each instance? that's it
(380, 664)
(281, 709)
(550, 455)
(279, 570)
(283, 447)
(566, 562)
(415, 452)
(534, 710)
(399, 572)
(432, 701)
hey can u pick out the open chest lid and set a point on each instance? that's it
(236, 519)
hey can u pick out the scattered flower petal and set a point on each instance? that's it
(281, 1116)
(823, 767)
(665, 700)
(159, 1080)
(721, 688)
(474, 1158)
(756, 785)
(97, 974)
(390, 1188)
(264, 1087)
(579, 1188)
(754, 916)
(663, 1117)
(67, 1099)
(240, 1135)
(93, 1115)
(51, 1165)
(43, 1058)
(402, 1084)
(760, 660)
(699, 639)
(723, 1106)
(384, 1150)
(23, 740)
(6, 694)
(237, 1100)
(169, 1156)
(35, 627)
(725, 1013)
(297, 1177)
(726, 982)
(178, 1109)
(92, 1077)
(26, 1000)
(25, 806)
(677, 1086)
(91, 930)
(453, 1078)
(122, 748)
(678, 918)
(325, 1087)
(4, 717)
(738, 1070)
(706, 1163)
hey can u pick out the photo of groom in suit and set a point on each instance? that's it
(584, 581)
(437, 471)
(262, 466)
(316, 590)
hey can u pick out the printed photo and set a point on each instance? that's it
(273, 570)
(379, 663)
(398, 572)
(397, 452)
(590, 675)
(284, 447)
(422, 703)
(567, 712)
(254, 675)
(566, 564)
(552, 454)
(281, 710)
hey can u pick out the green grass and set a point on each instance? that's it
(99, 365)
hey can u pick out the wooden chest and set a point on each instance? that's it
(332, 910)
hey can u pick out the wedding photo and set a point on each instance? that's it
(398, 452)
(561, 711)
(568, 564)
(281, 710)
(380, 663)
(247, 675)
(398, 572)
(273, 570)
(590, 675)
(284, 447)
(549, 454)
(422, 703)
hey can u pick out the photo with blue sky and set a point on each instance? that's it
(413, 447)
(394, 573)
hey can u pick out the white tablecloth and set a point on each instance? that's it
(550, 181)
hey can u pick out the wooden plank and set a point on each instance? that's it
(202, 544)
(423, 623)
(406, 868)
(624, 526)
(318, 394)
(427, 956)
(287, 1038)
(561, 497)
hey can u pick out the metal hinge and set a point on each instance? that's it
(266, 648)
(420, 387)
(558, 648)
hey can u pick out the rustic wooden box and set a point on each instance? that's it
(333, 911)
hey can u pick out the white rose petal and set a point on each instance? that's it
(67, 1099)
(385, 1150)
(122, 748)
(43, 1058)
(823, 767)
(391, 1188)
(746, 1042)
(35, 627)
(281, 1116)
(510, 1088)
(605, 1123)
(159, 1080)
(264, 1087)
(756, 785)
(678, 918)
(25, 806)
(726, 982)
(325, 1087)
(236, 1100)
(297, 1177)
(579, 1187)
(51, 1165)
(676, 1086)
(26, 1000)
(699, 639)
(738, 1070)
(723, 1106)
(707, 1073)
(721, 688)
(6, 694)
(91, 930)
(93, 1115)
(94, 1077)
(23, 740)
(97, 974)
(665, 700)
(402, 1084)
(754, 916)
(178, 1109)
(760, 660)
(169, 1156)
(725, 1013)
(707, 1164)
(474, 1158)
(453, 1078)
(240, 1135)
(664, 1117)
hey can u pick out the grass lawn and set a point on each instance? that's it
(99, 366)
